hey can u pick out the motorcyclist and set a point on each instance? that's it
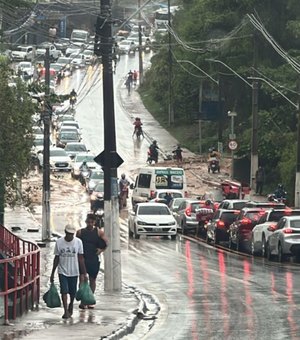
(178, 153)
(73, 97)
(214, 153)
(137, 126)
(73, 93)
(280, 192)
(153, 149)
(83, 169)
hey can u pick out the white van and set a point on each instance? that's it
(149, 180)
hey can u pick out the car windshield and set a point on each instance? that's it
(75, 147)
(65, 117)
(25, 65)
(56, 67)
(37, 130)
(153, 210)
(173, 194)
(22, 49)
(196, 206)
(295, 224)
(254, 215)
(177, 202)
(58, 153)
(88, 52)
(69, 135)
(229, 216)
(238, 205)
(38, 142)
(70, 124)
(124, 43)
(87, 158)
(99, 187)
(97, 175)
(63, 61)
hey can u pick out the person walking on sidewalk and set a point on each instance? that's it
(94, 243)
(260, 179)
(68, 259)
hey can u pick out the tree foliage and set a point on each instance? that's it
(221, 30)
(16, 110)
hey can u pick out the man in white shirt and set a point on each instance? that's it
(68, 259)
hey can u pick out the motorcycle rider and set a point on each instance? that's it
(153, 150)
(83, 169)
(124, 188)
(137, 126)
(73, 97)
(280, 192)
(178, 154)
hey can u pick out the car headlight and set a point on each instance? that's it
(172, 223)
(141, 223)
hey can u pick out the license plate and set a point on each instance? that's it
(156, 229)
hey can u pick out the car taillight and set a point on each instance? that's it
(272, 227)
(152, 193)
(287, 231)
(188, 211)
(245, 221)
(220, 224)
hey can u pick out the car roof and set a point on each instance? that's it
(75, 143)
(152, 204)
(291, 218)
(168, 190)
(234, 200)
(253, 209)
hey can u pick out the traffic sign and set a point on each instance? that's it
(232, 145)
(115, 160)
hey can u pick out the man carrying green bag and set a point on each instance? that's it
(51, 297)
(85, 294)
(68, 258)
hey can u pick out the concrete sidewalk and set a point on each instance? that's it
(114, 315)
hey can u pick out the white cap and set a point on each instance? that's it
(70, 229)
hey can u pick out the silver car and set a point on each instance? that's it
(285, 238)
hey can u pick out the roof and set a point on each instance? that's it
(147, 204)
(291, 218)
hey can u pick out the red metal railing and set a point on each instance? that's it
(20, 268)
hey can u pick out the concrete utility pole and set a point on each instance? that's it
(141, 71)
(109, 159)
(46, 235)
(171, 109)
(297, 181)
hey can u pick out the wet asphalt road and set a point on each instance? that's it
(204, 293)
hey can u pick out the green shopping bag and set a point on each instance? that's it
(85, 294)
(51, 297)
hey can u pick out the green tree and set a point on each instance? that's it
(16, 110)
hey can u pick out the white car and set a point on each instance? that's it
(89, 57)
(22, 53)
(124, 47)
(70, 123)
(59, 160)
(151, 219)
(53, 52)
(25, 67)
(79, 159)
(265, 227)
(74, 48)
(78, 60)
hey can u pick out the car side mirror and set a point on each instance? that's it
(131, 186)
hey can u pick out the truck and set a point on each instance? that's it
(80, 36)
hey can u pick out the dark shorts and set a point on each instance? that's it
(68, 284)
(92, 267)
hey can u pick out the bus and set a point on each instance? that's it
(161, 16)
(80, 36)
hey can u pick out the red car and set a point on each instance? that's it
(240, 230)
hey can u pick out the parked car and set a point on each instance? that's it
(61, 118)
(74, 148)
(284, 240)
(59, 160)
(217, 230)
(95, 177)
(233, 204)
(265, 227)
(151, 219)
(22, 53)
(97, 197)
(186, 215)
(79, 159)
(240, 230)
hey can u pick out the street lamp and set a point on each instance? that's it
(297, 106)
(232, 138)
(254, 143)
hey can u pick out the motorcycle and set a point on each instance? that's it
(99, 214)
(84, 174)
(213, 165)
(72, 101)
(152, 157)
(147, 49)
(139, 132)
(273, 198)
